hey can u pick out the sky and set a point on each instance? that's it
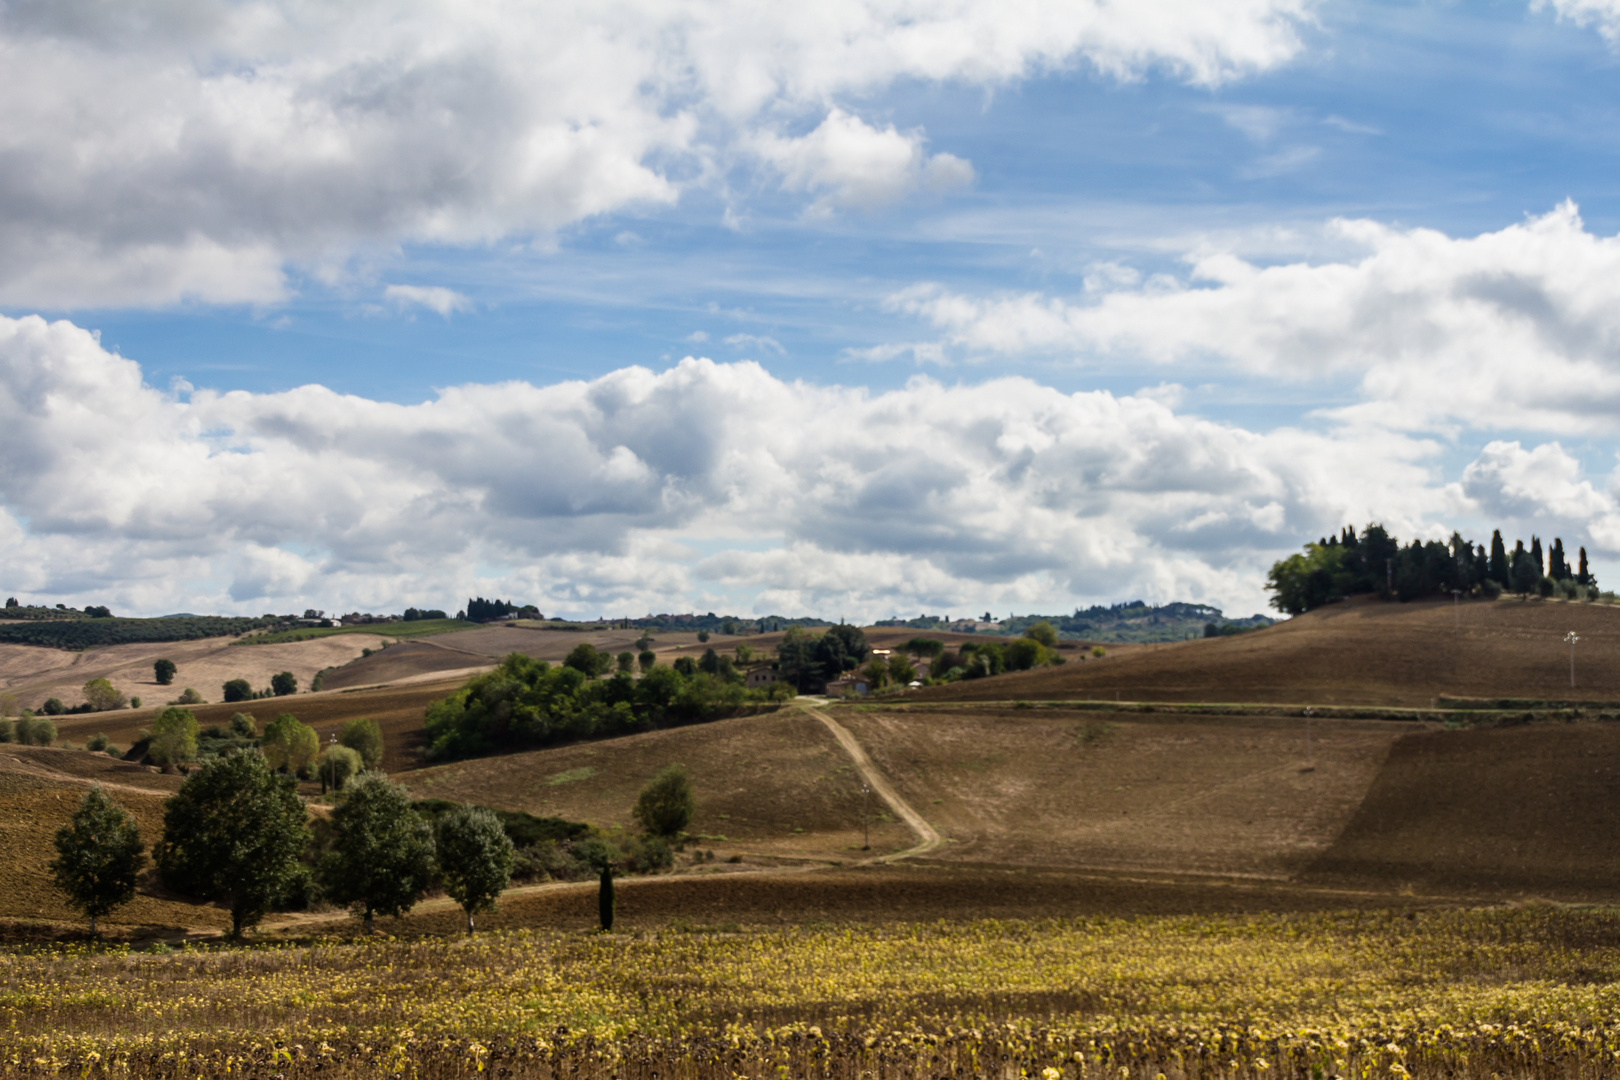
(859, 309)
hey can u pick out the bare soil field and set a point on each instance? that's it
(1074, 789)
(39, 790)
(34, 674)
(776, 783)
(887, 894)
(1532, 809)
(1362, 653)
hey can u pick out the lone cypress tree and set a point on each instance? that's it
(1586, 575)
(99, 855)
(604, 898)
(1557, 564)
(1535, 554)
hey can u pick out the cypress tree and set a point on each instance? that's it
(1586, 575)
(604, 898)
(1535, 555)
(1499, 560)
(1558, 565)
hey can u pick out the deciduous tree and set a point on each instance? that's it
(381, 860)
(234, 832)
(475, 858)
(164, 671)
(174, 738)
(666, 805)
(98, 856)
(364, 736)
(103, 695)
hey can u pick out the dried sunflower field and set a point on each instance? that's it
(1527, 992)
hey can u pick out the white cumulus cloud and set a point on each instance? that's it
(156, 151)
(433, 297)
(658, 490)
(1514, 328)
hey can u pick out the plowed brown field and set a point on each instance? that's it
(1365, 652)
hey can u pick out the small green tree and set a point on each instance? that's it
(627, 661)
(338, 765)
(1043, 632)
(174, 737)
(34, 730)
(585, 657)
(284, 684)
(103, 695)
(244, 726)
(234, 832)
(289, 744)
(364, 736)
(238, 690)
(381, 859)
(901, 669)
(475, 858)
(164, 670)
(1023, 654)
(53, 707)
(666, 805)
(188, 696)
(646, 660)
(98, 856)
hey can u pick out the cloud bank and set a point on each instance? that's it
(157, 150)
(648, 490)
(1515, 329)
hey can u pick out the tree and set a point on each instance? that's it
(1501, 572)
(284, 684)
(842, 648)
(98, 856)
(1023, 654)
(646, 660)
(666, 804)
(102, 695)
(53, 707)
(244, 726)
(475, 858)
(234, 832)
(381, 860)
(337, 766)
(1526, 572)
(1557, 563)
(174, 737)
(164, 670)
(238, 690)
(1306, 581)
(931, 647)
(585, 658)
(600, 856)
(364, 736)
(876, 672)
(627, 661)
(1585, 576)
(901, 669)
(1043, 632)
(289, 745)
(188, 696)
(34, 730)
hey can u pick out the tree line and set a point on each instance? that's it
(1335, 567)
(238, 833)
(525, 702)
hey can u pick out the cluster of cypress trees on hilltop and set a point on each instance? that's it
(1375, 562)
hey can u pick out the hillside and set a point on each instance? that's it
(1364, 652)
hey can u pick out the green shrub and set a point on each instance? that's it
(189, 697)
(237, 690)
(364, 736)
(97, 742)
(338, 765)
(53, 707)
(6, 729)
(244, 726)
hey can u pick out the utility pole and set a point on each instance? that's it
(1572, 638)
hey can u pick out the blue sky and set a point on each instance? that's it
(1011, 309)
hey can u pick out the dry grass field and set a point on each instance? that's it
(1364, 652)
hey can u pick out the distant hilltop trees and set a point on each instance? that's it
(481, 610)
(1346, 565)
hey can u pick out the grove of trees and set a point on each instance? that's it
(1375, 562)
(528, 702)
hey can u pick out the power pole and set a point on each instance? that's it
(866, 818)
(1572, 638)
